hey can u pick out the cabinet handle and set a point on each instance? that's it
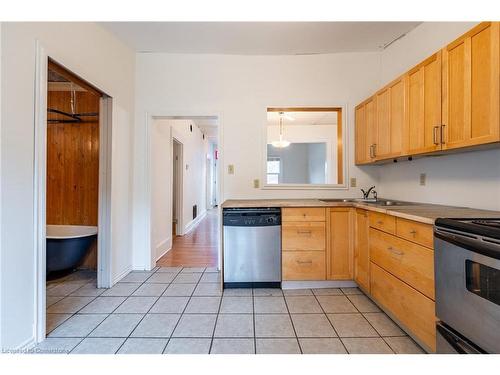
(442, 134)
(374, 150)
(380, 222)
(304, 262)
(395, 251)
(413, 231)
(435, 130)
(304, 232)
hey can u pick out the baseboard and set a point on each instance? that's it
(121, 275)
(194, 222)
(163, 247)
(318, 284)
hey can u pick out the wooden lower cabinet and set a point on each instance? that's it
(340, 244)
(303, 236)
(361, 250)
(412, 263)
(303, 265)
(410, 307)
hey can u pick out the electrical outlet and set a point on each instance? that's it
(256, 183)
(230, 169)
(353, 182)
(423, 178)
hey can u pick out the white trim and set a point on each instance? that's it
(104, 263)
(39, 188)
(150, 116)
(165, 244)
(345, 156)
(193, 223)
(121, 275)
(318, 284)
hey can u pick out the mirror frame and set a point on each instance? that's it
(341, 150)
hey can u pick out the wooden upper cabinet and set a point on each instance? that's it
(423, 97)
(471, 86)
(365, 132)
(340, 244)
(390, 120)
(360, 135)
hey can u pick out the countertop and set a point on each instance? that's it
(421, 212)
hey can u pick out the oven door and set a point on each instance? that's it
(468, 288)
(449, 342)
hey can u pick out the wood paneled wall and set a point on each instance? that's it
(73, 165)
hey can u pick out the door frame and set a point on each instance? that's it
(150, 117)
(178, 202)
(40, 190)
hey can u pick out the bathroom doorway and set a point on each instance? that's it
(72, 174)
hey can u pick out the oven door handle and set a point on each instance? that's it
(476, 245)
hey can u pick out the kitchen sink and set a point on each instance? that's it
(378, 202)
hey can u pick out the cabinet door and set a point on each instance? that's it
(361, 147)
(471, 88)
(398, 118)
(340, 244)
(424, 106)
(383, 122)
(371, 129)
(361, 250)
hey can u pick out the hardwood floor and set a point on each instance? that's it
(198, 248)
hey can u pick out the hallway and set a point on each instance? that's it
(198, 248)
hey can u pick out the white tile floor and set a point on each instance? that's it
(183, 310)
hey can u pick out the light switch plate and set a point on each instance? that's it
(256, 183)
(230, 169)
(353, 182)
(423, 179)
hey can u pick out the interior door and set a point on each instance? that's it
(424, 107)
(471, 82)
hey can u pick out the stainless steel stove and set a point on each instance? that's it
(467, 274)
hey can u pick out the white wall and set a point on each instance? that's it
(100, 58)
(194, 150)
(468, 179)
(240, 88)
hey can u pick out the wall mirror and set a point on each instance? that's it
(304, 148)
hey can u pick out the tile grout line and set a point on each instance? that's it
(361, 313)
(293, 325)
(185, 307)
(108, 315)
(216, 320)
(329, 321)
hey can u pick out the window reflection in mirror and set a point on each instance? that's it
(304, 146)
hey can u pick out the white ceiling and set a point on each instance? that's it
(303, 118)
(258, 38)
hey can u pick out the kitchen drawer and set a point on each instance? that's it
(306, 214)
(303, 236)
(415, 232)
(383, 222)
(412, 263)
(414, 310)
(304, 265)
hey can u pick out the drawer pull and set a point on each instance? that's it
(413, 232)
(380, 222)
(395, 251)
(305, 232)
(304, 261)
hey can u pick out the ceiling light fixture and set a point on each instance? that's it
(282, 143)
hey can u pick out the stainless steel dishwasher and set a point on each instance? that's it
(252, 247)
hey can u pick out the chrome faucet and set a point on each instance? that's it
(366, 194)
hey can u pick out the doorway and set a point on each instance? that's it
(72, 187)
(177, 164)
(193, 238)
